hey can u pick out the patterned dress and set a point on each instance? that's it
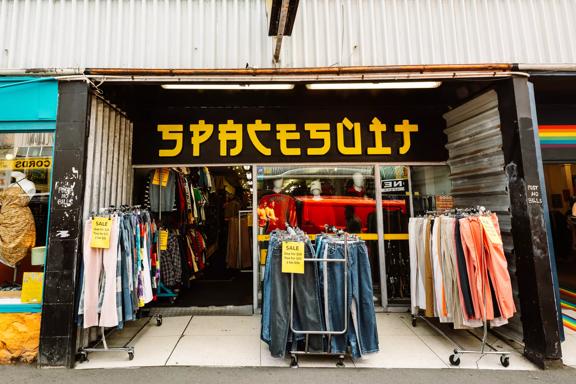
(17, 229)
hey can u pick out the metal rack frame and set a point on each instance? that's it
(295, 353)
(83, 351)
(459, 350)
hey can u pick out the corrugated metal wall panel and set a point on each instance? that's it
(233, 33)
(109, 164)
(477, 172)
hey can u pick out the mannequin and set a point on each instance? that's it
(276, 208)
(278, 185)
(316, 189)
(17, 227)
(357, 189)
(20, 179)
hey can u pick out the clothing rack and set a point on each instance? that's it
(459, 350)
(295, 353)
(84, 351)
(162, 290)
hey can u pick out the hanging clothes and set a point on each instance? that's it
(318, 302)
(117, 281)
(470, 282)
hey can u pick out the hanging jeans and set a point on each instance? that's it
(361, 334)
(306, 303)
(94, 260)
(127, 283)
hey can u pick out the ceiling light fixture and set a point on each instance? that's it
(238, 87)
(386, 85)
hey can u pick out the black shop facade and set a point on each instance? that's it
(216, 172)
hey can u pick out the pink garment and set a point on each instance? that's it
(497, 266)
(471, 234)
(93, 260)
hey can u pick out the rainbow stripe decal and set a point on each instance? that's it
(567, 292)
(557, 136)
(568, 321)
(567, 305)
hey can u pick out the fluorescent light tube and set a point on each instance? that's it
(230, 86)
(386, 85)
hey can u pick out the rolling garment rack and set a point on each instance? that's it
(83, 352)
(459, 350)
(162, 290)
(295, 353)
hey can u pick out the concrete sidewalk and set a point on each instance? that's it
(191, 375)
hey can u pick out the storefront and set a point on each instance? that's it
(27, 126)
(291, 153)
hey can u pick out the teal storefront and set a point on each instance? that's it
(28, 109)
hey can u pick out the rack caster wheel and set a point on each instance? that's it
(413, 321)
(294, 362)
(454, 360)
(340, 363)
(505, 361)
(130, 356)
(159, 320)
(83, 357)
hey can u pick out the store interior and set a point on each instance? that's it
(209, 234)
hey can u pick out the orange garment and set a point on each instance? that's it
(497, 266)
(471, 234)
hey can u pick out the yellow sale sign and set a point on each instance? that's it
(293, 257)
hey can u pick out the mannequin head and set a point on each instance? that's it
(278, 185)
(27, 186)
(316, 188)
(358, 180)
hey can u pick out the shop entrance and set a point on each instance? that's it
(561, 189)
(207, 260)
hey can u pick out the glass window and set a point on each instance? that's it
(395, 216)
(25, 178)
(313, 197)
(431, 191)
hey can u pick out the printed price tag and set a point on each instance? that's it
(32, 283)
(161, 176)
(163, 240)
(100, 236)
(490, 230)
(293, 257)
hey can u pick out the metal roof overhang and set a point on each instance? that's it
(329, 74)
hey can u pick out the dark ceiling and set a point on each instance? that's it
(138, 99)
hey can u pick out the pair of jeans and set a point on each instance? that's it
(361, 333)
(265, 330)
(276, 238)
(306, 303)
(127, 284)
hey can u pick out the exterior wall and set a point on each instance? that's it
(233, 34)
